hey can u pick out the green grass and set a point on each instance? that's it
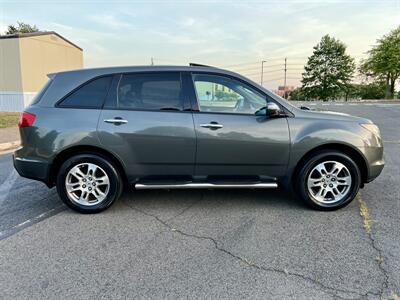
(8, 119)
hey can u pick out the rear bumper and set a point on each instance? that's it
(32, 168)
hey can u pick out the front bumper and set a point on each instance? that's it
(375, 169)
(375, 162)
(32, 168)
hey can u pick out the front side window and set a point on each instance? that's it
(90, 95)
(221, 94)
(152, 91)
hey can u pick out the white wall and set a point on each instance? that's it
(15, 101)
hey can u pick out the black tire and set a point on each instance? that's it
(301, 186)
(115, 182)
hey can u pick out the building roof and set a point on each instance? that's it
(38, 33)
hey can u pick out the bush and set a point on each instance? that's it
(375, 90)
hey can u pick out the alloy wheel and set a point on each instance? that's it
(87, 184)
(329, 182)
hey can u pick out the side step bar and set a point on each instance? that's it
(271, 185)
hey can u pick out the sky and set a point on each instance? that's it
(236, 35)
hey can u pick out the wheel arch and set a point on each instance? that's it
(75, 150)
(353, 153)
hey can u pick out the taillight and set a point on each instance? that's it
(26, 119)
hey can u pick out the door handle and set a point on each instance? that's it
(116, 121)
(212, 125)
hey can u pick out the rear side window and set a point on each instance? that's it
(90, 95)
(152, 91)
(40, 94)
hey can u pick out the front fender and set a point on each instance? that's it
(309, 134)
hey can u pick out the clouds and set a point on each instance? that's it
(3, 28)
(110, 21)
(211, 32)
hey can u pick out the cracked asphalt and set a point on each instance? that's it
(205, 243)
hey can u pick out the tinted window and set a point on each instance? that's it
(156, 91)
(223, 94)
(90, 95)
(40, 94)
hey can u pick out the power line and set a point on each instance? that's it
(289, 71)
(247, 69)
(243, 64)
(252, 68)
(275, 65)
(275, 79)
(265, 72)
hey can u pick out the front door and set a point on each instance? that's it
(145, 124)
(234, 136)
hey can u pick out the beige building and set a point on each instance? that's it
(25, 61)
(284, 89)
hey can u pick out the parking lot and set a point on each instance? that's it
(206, 243)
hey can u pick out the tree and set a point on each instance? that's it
(328, 71)
(226, 96)
(373, 90)
(21, 27)
(296, 95)
(383, 62)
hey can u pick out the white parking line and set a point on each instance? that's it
(32, 221)
(6, 186)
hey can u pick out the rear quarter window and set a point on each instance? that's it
(40, 94)
(90, 95)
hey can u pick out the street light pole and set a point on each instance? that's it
(284, 82)
(262, 71)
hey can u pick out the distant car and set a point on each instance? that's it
(92, 131)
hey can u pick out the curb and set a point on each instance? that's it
(9, 145)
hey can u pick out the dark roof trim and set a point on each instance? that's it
(199, 65)
(38, 33)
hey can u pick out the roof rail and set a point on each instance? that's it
(199, 65)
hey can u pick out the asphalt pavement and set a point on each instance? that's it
(206, 243)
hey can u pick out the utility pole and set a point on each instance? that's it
(152, 61)
(284, 82)
(262, 71)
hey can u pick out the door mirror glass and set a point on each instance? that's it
(273, 109)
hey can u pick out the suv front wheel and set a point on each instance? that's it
(88, 183)
(328, 180)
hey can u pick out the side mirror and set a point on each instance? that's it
(273, 110)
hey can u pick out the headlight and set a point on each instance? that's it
(372, 128)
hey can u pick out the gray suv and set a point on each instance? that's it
(92, 131)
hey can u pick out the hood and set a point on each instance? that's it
(330, 115)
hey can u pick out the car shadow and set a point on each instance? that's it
(179, 199)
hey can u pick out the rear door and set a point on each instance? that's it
(145, 123)
(234, 135)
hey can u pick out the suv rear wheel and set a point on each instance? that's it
(328, 180)
(88, 183)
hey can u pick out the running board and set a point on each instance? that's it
(141, 186)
